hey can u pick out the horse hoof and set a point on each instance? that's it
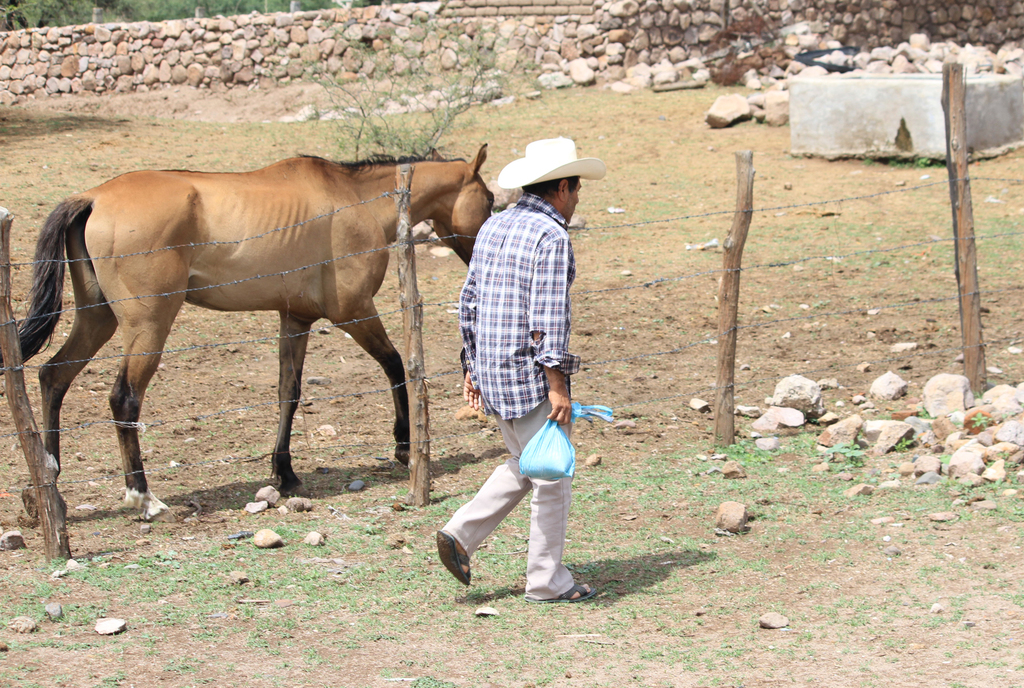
(295, 489)
(163, 516)
(402, 456)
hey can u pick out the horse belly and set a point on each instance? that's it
(295, 289)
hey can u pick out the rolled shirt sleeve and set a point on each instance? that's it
(467, 323)
(550, 309)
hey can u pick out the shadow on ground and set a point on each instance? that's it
(614, 578)
(20, 124)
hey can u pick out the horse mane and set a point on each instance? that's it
(382, 161)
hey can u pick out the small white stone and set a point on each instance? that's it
(110, 626)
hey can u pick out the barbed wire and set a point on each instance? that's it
(709, 339)
(706, 340)
(767, 209)
(390, 445)
(186, 349)
(243, 459)
(197, 244)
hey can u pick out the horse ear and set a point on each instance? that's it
(481, 157)
(435, 156)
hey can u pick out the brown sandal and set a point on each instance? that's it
(585, 594)
(455, 561)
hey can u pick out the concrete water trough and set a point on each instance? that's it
(899, 115)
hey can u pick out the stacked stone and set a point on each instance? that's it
(515, 8)
(224, 52)
(626, 43)
(918, 55)
(874, 23)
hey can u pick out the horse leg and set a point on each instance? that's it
(92, 328)
(371, 336)
(292, 343)
(144, 343)
(94, 324)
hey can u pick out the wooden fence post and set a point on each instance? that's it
(954, 105)
(729, 299)
(415, 368)
(42, 467)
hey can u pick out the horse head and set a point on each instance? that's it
(458, 222)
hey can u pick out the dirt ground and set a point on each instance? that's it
(679, 606)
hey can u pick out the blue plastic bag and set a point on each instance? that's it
(549, 455)
(589, 413)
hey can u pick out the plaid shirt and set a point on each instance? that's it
(518, 283)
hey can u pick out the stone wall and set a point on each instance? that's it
(871, 23)
(603, 40)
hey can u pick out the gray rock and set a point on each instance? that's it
(945, 393)
(727, 110)
(322, 381)
(968, 459)
(731, 517)
(888, 387)
(54, 611)
(553, 80)
(767, 443)
(892, 551)
(920, 425)
(11, 540)
(1012, 432)
(268, 494)
(1005, 399)
(356, 485)
(256, 507)
(145, 528)
(928, 478)
(799, 393)
(773, 621)
(776, 416)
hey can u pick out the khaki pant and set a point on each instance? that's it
(546, 577)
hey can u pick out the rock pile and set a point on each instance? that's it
(983, 439)
(623, 45)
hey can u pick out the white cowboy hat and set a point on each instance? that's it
(549, 159)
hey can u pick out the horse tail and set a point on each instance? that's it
(46, 296)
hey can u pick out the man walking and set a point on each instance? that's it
(514, 317)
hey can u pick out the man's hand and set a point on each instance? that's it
(471, 394)
(561, 405)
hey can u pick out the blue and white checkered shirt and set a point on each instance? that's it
(518, 283)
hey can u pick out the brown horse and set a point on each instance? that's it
(305, 237)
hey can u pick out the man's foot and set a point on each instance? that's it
(453, 556)
(577, 593)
